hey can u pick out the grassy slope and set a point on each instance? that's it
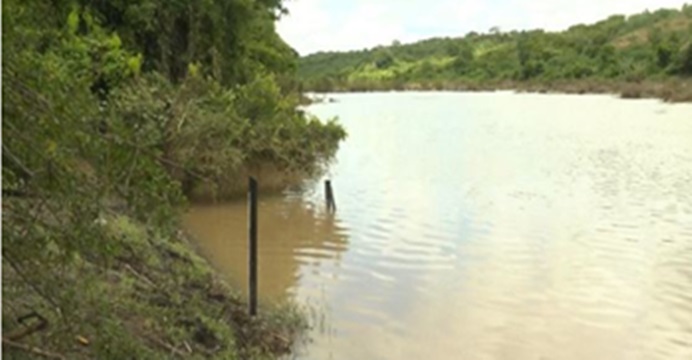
(639, 36)
(156, 300)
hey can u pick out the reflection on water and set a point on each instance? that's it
(292, 235)
(485, 226)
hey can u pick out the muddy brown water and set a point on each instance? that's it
(483, 226)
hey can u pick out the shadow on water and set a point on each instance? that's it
(292, 233)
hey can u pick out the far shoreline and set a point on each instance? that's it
(669, 90)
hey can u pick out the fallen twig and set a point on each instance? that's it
(16, 267)
(28, 330)
(139, 276)
(165, 345)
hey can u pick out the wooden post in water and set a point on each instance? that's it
(329, 194)
(252, 246)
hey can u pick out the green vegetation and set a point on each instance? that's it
(150, 297)
(648, 54)
(114, 114)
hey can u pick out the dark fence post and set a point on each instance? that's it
(329, 194)
(252, 237)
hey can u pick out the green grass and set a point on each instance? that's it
(156, 299)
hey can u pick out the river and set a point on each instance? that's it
(483, 226)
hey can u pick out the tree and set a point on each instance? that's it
(463, 61)
(384, 59)
(684, 61)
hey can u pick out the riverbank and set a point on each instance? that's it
(670, 90)
(98, 166)
(310, 100)
(645, 55)
(154, 298)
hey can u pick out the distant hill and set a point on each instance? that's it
(650, 46)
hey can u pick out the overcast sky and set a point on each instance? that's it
(321, 25)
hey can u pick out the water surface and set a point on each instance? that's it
(484, 226)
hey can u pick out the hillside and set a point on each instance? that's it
(645, 49)
(115, 115)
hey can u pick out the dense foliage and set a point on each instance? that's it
(650, 45)
(129, 100)
(117, 108)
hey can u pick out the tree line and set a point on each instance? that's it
(144, 100)
(647, 46)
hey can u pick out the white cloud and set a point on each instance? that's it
(306, 17)
(315, 25)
